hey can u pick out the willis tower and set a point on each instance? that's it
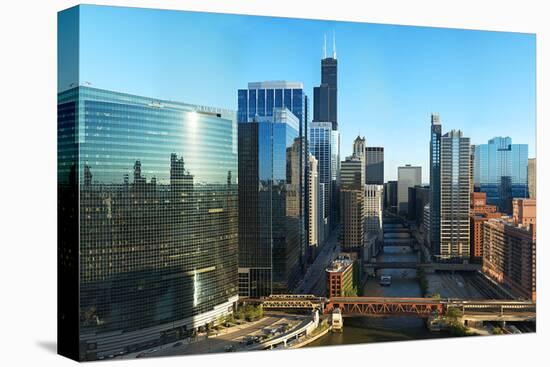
(324, 96)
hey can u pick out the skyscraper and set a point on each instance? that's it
(375, 166)
(335, 172)
(325, 96)
(435, 184)
(314, 217)
(407, 176)
(374, 207)
(147, 221)
(261, 98)
(325, 111)
(501, 171)
(270, 216)
(472, 165)
(390, 195)
(352, 174)
(352, 193)
(321, 147)
(455, 196)
(532, 177)
(359, 150)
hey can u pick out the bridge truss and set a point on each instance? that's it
(375, 306)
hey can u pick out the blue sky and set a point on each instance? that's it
(390, 77)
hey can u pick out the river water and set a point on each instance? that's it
(404, 284)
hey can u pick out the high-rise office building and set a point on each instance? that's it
(532, 177)
(270, 218)
(375, 166)
(472, 165)
(352, 173)
(435, 184)
(500, 170)
(352, 218)
(390, 195)
(261, 98)
(374, 207)
(321, 147)
(147, 195)
(324, 144)
(419, 197)
(325, 96)
(455, 197)
(335, 172)
(314, 217)
(407, 176)
(352, 194)
(359, 150)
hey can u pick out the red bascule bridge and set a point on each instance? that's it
(384, 306)
(381, 306)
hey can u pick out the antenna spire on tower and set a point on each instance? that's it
(325, 48)
(333, 45)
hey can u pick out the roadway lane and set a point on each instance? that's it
(314, 279)
(216, 344)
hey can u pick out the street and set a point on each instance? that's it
(314, 279)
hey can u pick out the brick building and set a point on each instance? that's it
(509, 250)
(340, 277)
(480, 212)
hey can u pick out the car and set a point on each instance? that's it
(177, 344)
(229, 348)
(385, 280)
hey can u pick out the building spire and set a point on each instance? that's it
(333, 44)
(325, 48)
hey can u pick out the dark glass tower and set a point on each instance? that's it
(271, 217)
(261, 99)
(325, 96)
(148, 218)
(375, 166)
(435, 184)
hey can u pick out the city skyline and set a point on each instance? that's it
(473, 79)
(181, 216)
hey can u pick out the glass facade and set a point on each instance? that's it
(325, 96)
(320, 139)
(435, 184)
(261, 98)
(271, 217)
(374, 166)
(153, 186)
(500, 170)
(455, 197)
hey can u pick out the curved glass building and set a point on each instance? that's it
(148, 218)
